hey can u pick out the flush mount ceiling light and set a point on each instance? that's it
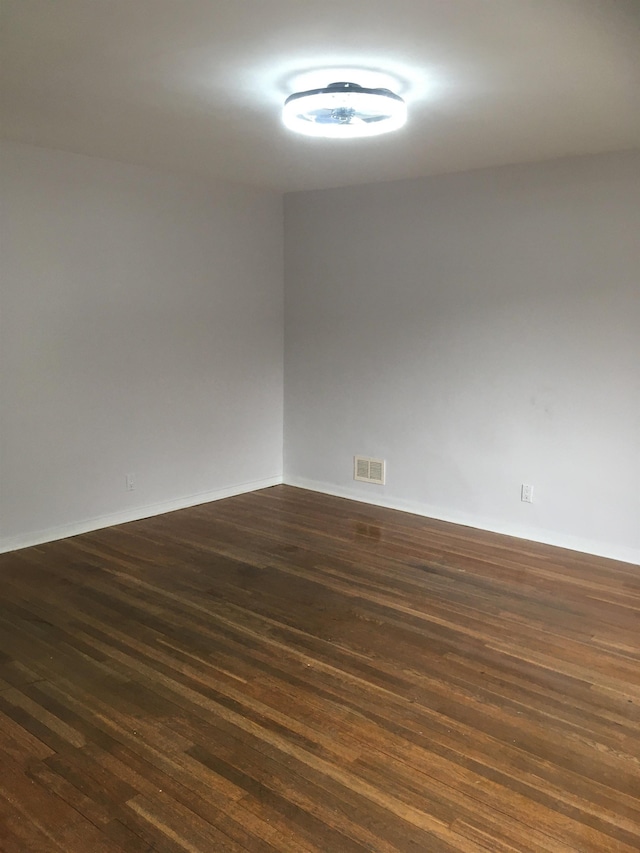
(344, 111)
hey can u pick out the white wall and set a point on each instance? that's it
(477, 331)
(141, 332)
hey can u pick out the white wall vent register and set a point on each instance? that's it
(368, 470)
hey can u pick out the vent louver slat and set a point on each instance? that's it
(362, 468)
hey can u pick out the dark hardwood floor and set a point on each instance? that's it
(287, 671)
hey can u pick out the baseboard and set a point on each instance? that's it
(585, 546)
(546, 537)
(51, 534)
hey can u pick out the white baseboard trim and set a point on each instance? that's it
(51, 534)
(573, 543)
(546, 537)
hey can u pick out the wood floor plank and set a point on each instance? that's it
(288, 672)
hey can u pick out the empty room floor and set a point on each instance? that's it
(289, 671)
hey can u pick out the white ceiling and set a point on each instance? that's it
(197, 85)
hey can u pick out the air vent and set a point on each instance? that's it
(368, 470)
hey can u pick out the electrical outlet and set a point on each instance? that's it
(130, 482)
(526, 493)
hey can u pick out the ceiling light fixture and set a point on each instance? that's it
(344, 111)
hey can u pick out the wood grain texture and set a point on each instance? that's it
(288, 671)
